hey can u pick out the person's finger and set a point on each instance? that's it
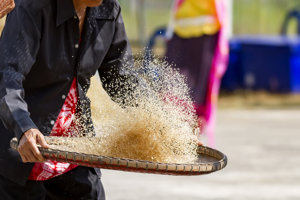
(13, 4)
(22, 153)
(6, 10)
(36, 154)
(31, 148)
(31, 155)
(27, 152)
(27, 157)
(41, 140)
(24, 158)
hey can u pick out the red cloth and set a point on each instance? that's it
(51, 169)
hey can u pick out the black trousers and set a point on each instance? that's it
(80, 183)
(194, 57)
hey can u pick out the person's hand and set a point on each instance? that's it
(6, 6)
(28, 149)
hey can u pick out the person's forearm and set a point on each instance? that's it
(19, 46)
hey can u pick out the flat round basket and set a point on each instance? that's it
(209, 160)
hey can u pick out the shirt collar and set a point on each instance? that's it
(66, 10)
(105, 11)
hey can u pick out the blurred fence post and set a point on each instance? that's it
(133, 6)
(141, 22)
(229, 27)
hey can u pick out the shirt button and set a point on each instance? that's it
(72, 56)
(52, 122)
(63, 96)
(76, 46)
(75, 17)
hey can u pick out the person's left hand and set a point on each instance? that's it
(6, 6)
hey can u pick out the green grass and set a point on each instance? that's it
(154, 17)
(261, 16)
(249, 16)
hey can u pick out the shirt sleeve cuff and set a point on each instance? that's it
(23, 125)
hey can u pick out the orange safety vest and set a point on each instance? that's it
(193, 18)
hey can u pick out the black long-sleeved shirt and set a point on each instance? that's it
(40, 54)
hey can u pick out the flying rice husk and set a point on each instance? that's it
(156, 121)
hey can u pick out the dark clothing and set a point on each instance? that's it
(80, 183)
(194, 58)
(39, 57)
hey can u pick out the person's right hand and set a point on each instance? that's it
(28, 149)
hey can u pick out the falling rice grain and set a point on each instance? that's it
(157, 121)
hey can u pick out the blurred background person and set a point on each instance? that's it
(198, 47)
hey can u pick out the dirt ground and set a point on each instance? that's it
(258, 99)
(263, 148)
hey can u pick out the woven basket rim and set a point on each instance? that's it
(125, 164)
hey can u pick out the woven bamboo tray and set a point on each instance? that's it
(209, 160)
